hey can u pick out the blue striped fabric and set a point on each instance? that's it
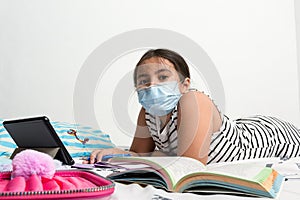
(97, 139)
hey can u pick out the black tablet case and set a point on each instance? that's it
(37, 133)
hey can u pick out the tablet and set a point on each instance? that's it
(36, 133)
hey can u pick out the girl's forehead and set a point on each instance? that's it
(158, 60)
(155, 64)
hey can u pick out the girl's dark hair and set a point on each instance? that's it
(177, 60)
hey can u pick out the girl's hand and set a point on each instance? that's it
(97, 155)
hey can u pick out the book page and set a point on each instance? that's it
(176, 167)
(246, 169)
(181, 166)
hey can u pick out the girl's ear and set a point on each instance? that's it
(185, 86)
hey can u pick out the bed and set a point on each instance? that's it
(98, 139)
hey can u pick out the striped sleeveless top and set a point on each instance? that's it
(253, 137)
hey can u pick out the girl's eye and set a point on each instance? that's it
(163, 77)
(143, 82)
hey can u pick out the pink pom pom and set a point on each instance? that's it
(30, 162)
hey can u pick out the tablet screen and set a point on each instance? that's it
(37, 133)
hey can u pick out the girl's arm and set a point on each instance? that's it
(196, 123)
(142, 143)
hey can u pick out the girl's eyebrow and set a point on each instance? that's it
(142, 75)
(156, 72)
(162, 70)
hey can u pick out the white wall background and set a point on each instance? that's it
(44, 43)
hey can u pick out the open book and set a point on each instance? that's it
(183, 174)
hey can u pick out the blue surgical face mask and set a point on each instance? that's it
(160, 99)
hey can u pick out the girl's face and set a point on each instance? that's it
(158, 70)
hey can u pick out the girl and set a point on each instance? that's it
(178, 121)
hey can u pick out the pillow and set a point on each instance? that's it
(7, 145)
(79, 140)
